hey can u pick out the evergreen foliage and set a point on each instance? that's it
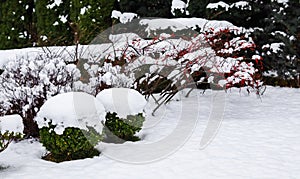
(118, 130)
(17, 24)
(271, 21)
(145, 8)
(73, 144)
(47, 22)
(6, 138)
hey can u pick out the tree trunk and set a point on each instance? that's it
(30, 126)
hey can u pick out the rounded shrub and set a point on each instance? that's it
(70, 126)
(119, 130)
(72, 144)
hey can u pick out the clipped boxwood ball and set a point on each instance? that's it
(120, 130)
(70, 126)
(73, 144)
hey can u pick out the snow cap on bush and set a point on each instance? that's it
(73, 109)
(11, 123)
(123, 101)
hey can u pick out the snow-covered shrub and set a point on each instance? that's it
(274, 28)
(103, 76)
(11, 129)
(167, 63)
(119, 130)
(7, 137)
(244, 65)
(153, 83)
(29, 81)
(123, 101)
(73, 144)
(70, 126)
(125, 114)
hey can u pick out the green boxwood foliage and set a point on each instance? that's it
(118, 130)
(7, 137)
(73, 144)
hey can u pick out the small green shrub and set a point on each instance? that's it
(73, 144)
(7, 137)
(118, 130)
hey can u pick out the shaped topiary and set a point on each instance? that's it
(124, 116)
(70, 126)
(119, 130)
(73, 144)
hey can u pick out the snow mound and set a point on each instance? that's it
(11, 123)
(123, 17)
(123, 101)
(73, 109)
(177, 24)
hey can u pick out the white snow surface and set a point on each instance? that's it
(275, 47)
(31, 53)
(240, 4)
(258, 138)
(123, 101)
(177, 24)
(216, 5)
(55, 3)
(178, 4)
(73, 109)
(11, 123)
(123, 17)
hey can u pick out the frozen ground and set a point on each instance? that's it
(258, 138)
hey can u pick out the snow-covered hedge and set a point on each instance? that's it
(27, 82)
(220, 57)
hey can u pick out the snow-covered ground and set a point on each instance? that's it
(258, 138)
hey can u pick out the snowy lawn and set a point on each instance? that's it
(258, 138)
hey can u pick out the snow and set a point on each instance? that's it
(275, 47)
(123, 37)
(282, 1)
(55, 3)
(177, 24)
(216, 5)
(83, 10)
(31, 53)
(244, 5)
(73, 109)
(178, 4)
(271, 73)
(258, 138)
(255, 137)
(11, 123)
(123, 101)
(240, 4)
(123, 17)
(63, 19)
